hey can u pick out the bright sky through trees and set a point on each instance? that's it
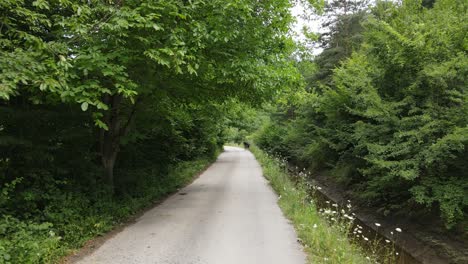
(305, 18)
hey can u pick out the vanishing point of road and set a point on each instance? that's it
(228, 215)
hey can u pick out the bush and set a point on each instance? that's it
(27, 242)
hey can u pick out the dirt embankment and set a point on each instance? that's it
(424, 239)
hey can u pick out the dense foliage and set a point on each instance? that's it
(106, 105)
(392, 121)
(103, 102)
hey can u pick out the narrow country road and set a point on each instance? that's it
(229, 215)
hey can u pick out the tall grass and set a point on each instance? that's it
(325, 238)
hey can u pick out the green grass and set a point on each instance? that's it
(323, 242)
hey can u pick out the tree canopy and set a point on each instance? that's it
(114, 57)
(101, 100)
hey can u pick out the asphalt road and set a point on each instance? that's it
(228, 215)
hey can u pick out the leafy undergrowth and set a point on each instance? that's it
(323, 242)
(76, 218)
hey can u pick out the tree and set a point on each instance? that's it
(343, 35)
(338, 16)
(112, 57)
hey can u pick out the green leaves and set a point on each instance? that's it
(111, 60)
(391, 119)
(144, 81)
(104, 48)
(41, 4)
(418, 123)
(84, 106)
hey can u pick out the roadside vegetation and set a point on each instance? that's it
(325, 234)
(107, 105)
(328, 234)
(383, 115)
(74, 217)
(385, 110)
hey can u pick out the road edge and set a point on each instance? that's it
(95, 243)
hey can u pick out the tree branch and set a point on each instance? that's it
(125, 129)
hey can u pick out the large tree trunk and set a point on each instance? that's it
(108, 164)
(110, 138)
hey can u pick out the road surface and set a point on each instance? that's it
(229, 215)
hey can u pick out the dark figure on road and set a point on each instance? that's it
(246, 145)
